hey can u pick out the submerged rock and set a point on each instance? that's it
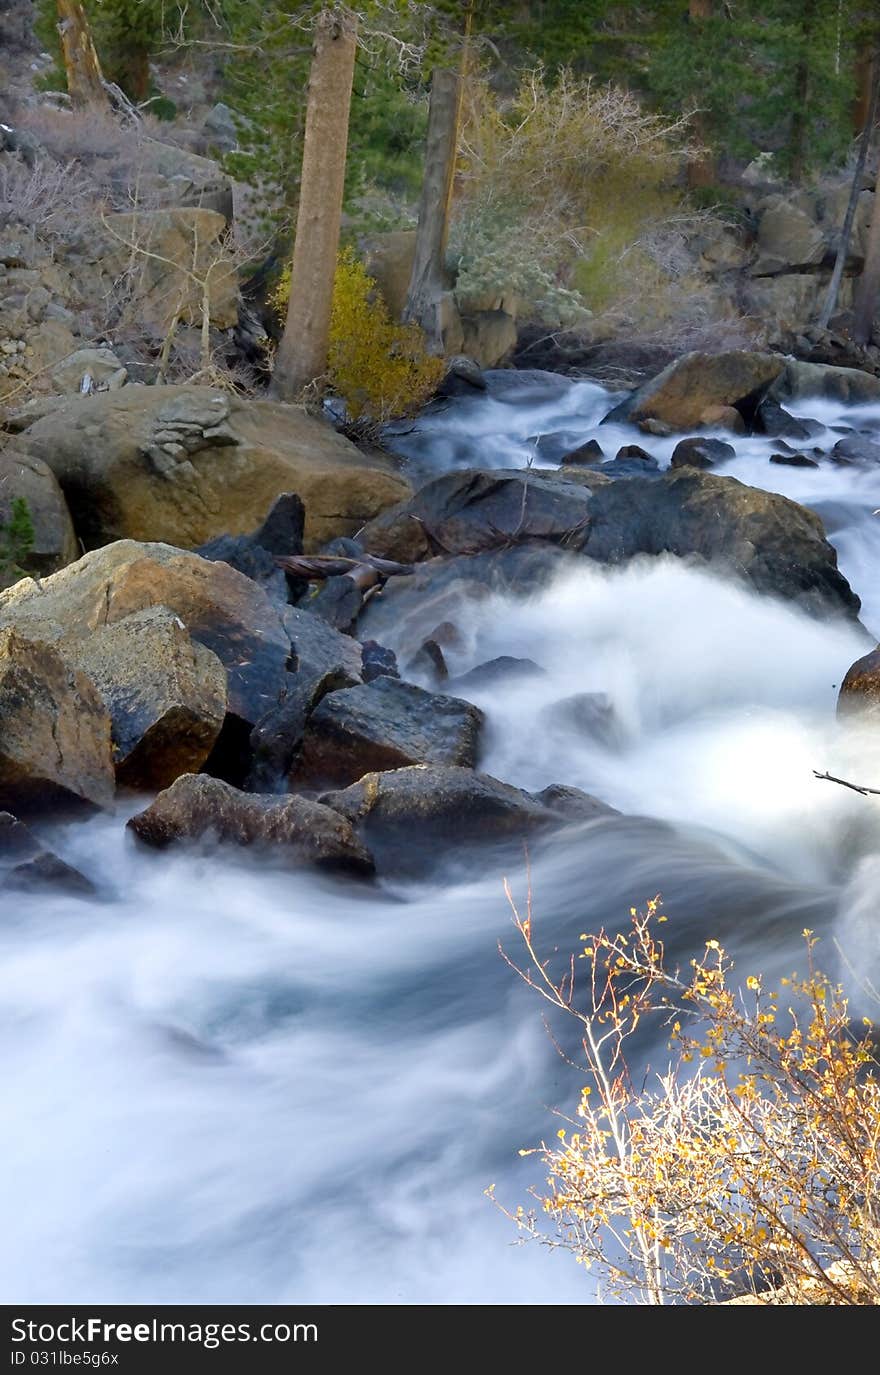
(293, 829)
(26, 865)
(701, 453)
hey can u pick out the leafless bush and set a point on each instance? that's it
(45, 195)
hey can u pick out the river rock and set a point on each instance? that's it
(589, 714)
(689, 391)
(848, 385)
(216, 606)
(573, 803)
(411, 817)
(188, 464)
(292, 829)
(589, 452)
(794, 460)
(26, 865)
(166, 694)
(55, 747)
(776, 545)
(385, 724)
(504, 670)
(471, 510)
(701, 453)
(856, 450)
(54, 543)
(773, 420)
(254, 555)
(860, 690)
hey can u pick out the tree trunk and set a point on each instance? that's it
(864, 86)
(866, 292)
(428, 280)
(855, 190)
(700, 172)
(798, 137)
(302, 353)
(85, 83)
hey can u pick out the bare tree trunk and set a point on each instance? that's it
(700, 172)
(864, 84)
(427, 284)
(843, 247)
(866, 292)
(85, 84)
(302, 353)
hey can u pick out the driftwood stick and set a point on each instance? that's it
(856, 787)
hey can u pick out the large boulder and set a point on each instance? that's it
(788, 238)
(472, 510)
(293, 830)
(166, 694)
(385, 724)
(178, 261)
(686, 392)
(30, 479)
(216, 607)
(776, 545)
(186, 464)
(849, 385)
(411, 817)
(859, 694)
(55, 747)
(786, 303)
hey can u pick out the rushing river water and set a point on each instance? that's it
(224, 1083)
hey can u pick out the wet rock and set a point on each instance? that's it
(188, 464)
(588, 714)
(504, 669)
(429, 662)
(386, 724)
(859, 694)
(55, 748)
(293, 830)
(848, 385)
(776, 545)
(573, 803)
(590, 452)
(689, 391)
(27, 866)
(469, 511)
(378, 661)
(794, 460)
(412, 817)
(773, 420)
(856, 451)
(701, 453)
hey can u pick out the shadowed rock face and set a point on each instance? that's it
(778, 546)
(293, 830)
(26, 865)
(385, 724)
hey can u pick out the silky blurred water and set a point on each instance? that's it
(225, 1083)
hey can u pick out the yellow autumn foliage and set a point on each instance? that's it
(381, 369)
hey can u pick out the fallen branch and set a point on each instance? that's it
(856, 787)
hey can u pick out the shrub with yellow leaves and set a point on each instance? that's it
(381, 369)
(749, 1166)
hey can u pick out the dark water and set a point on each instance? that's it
(224, 1083)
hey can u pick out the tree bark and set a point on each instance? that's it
(700, 172)
(302, 352)
(428, 279)
(866, 292)
(85, 83)
(855, 190)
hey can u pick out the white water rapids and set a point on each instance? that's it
(224, 1083)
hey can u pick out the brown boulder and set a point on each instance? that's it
(860, 690)
(695, 385)
(55, 744)
(186, 464)
(54, 543)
